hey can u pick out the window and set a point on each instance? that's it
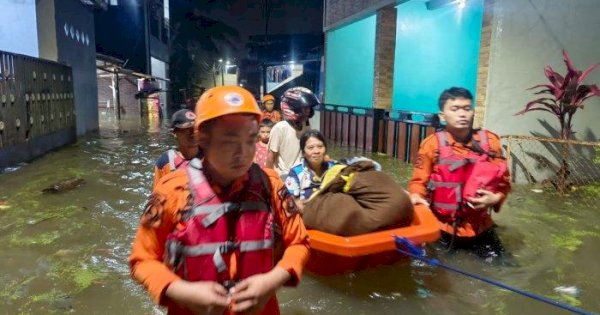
(114, 2)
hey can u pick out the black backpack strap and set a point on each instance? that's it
(255, 170)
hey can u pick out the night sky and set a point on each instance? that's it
(287, 17)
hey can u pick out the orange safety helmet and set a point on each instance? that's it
(225, 100)
(268, 97)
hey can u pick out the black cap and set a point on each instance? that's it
(183, 118)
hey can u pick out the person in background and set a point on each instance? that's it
(297, 104)
(264, 129)
(461, 174)
(269, 111)
(182, 128)
(221, 235)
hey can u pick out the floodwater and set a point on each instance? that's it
(66, 253)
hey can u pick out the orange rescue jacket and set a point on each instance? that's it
(163, 214)
(426, 165)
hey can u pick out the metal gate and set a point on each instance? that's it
(36, 101)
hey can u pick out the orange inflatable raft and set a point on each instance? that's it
(333, 254)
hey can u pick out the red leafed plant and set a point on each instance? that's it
(564, 95)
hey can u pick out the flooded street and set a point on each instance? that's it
(67, 252)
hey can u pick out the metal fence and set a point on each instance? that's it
(564, 166)
(36, 100)
(396, 133)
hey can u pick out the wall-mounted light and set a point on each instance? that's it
(436, 4)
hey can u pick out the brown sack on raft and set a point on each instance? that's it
(374, 202)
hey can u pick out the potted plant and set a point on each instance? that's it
(562, 97)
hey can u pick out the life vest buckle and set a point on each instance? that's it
(174, 254)
(228, 284)
(228, 246)
(234, 207)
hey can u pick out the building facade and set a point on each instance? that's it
(47, 75)
(400, 55)
(141, 46)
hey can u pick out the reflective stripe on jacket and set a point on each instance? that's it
(213, 229)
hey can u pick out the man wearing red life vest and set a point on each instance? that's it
(182, 127)
(220, 236)
(460, 172)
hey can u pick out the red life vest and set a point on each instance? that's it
(213, 229)
(175, 160)
(457, 178)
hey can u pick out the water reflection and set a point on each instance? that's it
(67, 252)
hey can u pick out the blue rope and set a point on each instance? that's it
(417, 253)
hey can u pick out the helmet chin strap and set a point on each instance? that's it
(298, 125)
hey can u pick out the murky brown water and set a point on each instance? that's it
(66, 253)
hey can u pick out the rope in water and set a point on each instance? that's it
(417, 253)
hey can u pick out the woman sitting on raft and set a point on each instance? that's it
(306, 177)
(348, 198)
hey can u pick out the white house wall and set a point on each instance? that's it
(527, 35)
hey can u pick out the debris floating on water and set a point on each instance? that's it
(537, 190)
(572, 290)
(65, 185)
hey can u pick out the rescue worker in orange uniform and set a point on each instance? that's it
(228, 231)
(182, 128)
(466, 218)
(269, 111)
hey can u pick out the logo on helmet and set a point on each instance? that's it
(190, 115)
(234, 99)
(296, 92)
(293, 94)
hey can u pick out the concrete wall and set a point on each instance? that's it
(160, 70)
(385, 52)
(18, 31)
(158, 49)
(483, 64)
(77, 49)
(340, 12)
(349, 64)
(527, 35)
(435, 49)
(46, 29)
